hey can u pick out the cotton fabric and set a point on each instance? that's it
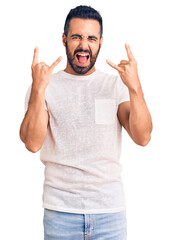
(82, 148)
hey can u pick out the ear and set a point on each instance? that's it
(64, 39)
(101, 41)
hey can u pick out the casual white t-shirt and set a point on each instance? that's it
(82, 147)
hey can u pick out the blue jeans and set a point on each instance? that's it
(73, 226)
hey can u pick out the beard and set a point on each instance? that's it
(80, 69)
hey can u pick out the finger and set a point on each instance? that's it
(124, 62)
(114, 66)
(55, 63)
(43, 64)
(129, 53)
(35, 56)
(123, 67)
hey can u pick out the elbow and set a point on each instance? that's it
(144, 142)
(32, 149)
(32, 146)
(29, 146)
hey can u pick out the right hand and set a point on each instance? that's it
(41, 72)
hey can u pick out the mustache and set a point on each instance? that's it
(82, 50)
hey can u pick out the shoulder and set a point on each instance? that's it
(107, 76)
(56, 75)
(54, 80)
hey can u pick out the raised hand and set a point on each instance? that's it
(41, 72)
(127, 70)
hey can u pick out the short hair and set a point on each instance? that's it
(84, 12)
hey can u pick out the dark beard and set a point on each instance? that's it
(79, 69)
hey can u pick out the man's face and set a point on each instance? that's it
(82, 44)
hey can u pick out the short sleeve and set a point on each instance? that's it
(27, 97)
(123, 93)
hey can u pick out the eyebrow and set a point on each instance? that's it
(78, 35)
(75, 35)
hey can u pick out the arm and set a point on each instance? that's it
(135, 118)
(133, 115)
(34, 125)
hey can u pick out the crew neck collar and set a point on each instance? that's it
(76, 77)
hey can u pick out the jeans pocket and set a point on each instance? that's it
(105, 110)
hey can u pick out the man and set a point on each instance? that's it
(75, 117)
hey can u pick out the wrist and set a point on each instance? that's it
(38, 89)
(37, 98)
(136, 92)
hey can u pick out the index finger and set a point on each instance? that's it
(35, 56)
(129, 53)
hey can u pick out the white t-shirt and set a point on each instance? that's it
(82, 147)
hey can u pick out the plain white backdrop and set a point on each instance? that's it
(147, 171)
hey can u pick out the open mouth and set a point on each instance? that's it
(82, 58)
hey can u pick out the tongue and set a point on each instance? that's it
(82, 59)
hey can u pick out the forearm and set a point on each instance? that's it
(140, 122)
(34, 126)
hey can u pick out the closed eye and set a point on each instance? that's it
(92, 38)
(76, 36)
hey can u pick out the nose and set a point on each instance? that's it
(84, 43)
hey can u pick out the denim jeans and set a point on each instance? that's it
(73, 226)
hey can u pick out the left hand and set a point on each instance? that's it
(127, 70)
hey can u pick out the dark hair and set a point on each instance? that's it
(84, 12)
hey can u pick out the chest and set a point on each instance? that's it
(82, 104)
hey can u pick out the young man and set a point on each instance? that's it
(75, 117)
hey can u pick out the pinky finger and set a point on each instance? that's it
(114, 66)
(55, 63)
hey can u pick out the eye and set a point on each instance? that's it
(92, 39)
(76, 37)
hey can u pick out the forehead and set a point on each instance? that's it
(84, 26)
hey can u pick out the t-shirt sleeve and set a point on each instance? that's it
(27, 97)
(123, 93)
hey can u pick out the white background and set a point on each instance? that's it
(146, 26)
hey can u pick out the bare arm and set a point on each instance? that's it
(133, 115)
(135, 118)
(34, 125)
